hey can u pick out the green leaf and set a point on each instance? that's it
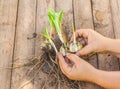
(45, 34)
(51, 13)
(55, 20)
(50, 19)
(60, 16)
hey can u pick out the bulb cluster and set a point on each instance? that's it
(55, 20)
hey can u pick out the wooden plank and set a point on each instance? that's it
(67, 15)
(8, 10)
(41, 22)
(67, 19)
(84, 20)
(24, 48)
(103, 25)
(115, 8)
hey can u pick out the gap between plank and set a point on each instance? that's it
(14, 43)
(35, 31)
(113, 26)
(94, 30)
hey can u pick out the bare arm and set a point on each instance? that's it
(113, 45)
(97, 43)
(82, 70)
(106, 79)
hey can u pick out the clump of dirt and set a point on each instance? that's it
(52, 69)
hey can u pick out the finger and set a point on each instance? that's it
(59, 57)
(80, 33)
(66, 73)
(63, 65)
(85, 50)
(77, 34)
(65, 69)
(72, 57)
(62, 69)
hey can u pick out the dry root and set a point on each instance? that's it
(47, 63)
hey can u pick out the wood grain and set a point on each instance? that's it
(103, 25)
(84, 20)
(8, 11)
(115, 10)
(67, 15)
(17, 27)
(67, 19)
(41, 23)
(24, 47)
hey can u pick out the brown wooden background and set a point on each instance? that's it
(19, 19)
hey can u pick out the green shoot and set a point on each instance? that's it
(46, 35)
(73, 30)
(50, 17)
(52, 25)
(55, 20)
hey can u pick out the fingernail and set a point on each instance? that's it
(78, 54)
(58, 53)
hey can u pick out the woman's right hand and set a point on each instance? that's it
(95, 41)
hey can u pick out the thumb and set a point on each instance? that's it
(62, 63)
(86, 50)
(72, 57)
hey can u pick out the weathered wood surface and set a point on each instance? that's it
(24, 47)
(19, 19)
(103, 25)
(115, 10)
(67, 15)
(67, 18)
(41, 22)
(8, 11)
(84, 20)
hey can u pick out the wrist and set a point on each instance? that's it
(95, 76)
(107, 44)
(112, 45)
(91, 75)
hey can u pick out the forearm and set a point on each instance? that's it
(108, 80)
(113, 45)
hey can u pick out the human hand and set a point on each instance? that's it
(80, 70)
(95, 41)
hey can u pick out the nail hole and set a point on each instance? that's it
(34, 35)
(108, 55)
